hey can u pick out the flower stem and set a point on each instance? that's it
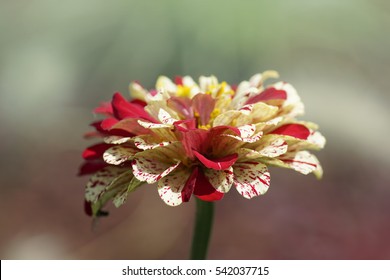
(202, 230)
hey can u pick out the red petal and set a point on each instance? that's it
(185, 125)
(108, 123)
(203, 104)
(204, 190)
(104, 108)
(194, 140)
(189, 186)
(98, 126)
(96, 151)
(215, 131)
(125, 109)
(87, 208)
(131, 126)
(90, 167)
(270, 93)
(181, 105)
(295, 130)
(139, 102)
(218, 163)
(179, 80)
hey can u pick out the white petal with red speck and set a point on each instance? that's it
(116, 139)
(251, 179)
(302, 161)
(119, 154)
(221, 180)
(259, 112)
(272, 147)
(152, 165)
(100, 180)
(147, 142)
(170, 187)
(165, 117)
(151, 171)
(248, 133)
(153, 125)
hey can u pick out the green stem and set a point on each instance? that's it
(202, 230)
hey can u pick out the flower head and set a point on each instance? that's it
(198, 139)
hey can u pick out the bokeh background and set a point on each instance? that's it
(59, 59)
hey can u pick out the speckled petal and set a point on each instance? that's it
(248, 134)
(165, 117)
(221, 180)
(251, 179)
(117, 155)
(272, 146)
(152, 165)
(100, 180)
(171, 186)
(293, 129)
(147, 142)
(259, 112)
(217, 163)
(116, 139)
(302, 161)
(153, 125)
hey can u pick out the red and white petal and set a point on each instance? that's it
(151, 171)
(292, 129)
(248, 134)
(217, 163)
(317, 139)
(269, 94)
(251, 179)
(272, 147)
(165, 117)
(221, 180)
(247, 131)
(147, 142)
(302, 161)
(152, 165)
(160, 110)
(150, 125)
(293, 103)
(100, 180)
(116, 139)
(95, 151)
(170, 187)
(117, 155)
(182, 106)
(260, 112)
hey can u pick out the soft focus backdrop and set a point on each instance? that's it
(59, 59)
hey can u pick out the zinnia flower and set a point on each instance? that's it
(198, 139)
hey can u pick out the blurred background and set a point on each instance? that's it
(60, 59)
